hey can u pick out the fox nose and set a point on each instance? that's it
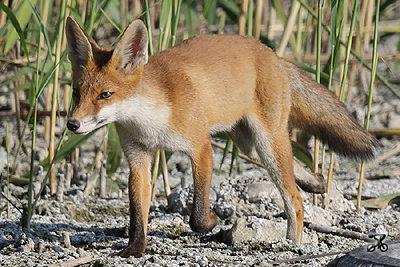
(73, 125)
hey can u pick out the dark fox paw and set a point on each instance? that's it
(202, 226)
(131, 250)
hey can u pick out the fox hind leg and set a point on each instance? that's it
(202, 218)
(273, 150)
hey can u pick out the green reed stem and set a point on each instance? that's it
(148, 24)
(175, 20)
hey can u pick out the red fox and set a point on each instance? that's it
(175, 99)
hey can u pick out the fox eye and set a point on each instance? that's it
(105, 95)
(75, 92)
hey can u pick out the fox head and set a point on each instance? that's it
(103, 77)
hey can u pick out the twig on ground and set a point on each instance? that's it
(337, 231)
(308, 257)
(76, 262)
(388, 154)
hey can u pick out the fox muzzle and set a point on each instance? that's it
(73, 125)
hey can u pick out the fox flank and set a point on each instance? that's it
(175, 99)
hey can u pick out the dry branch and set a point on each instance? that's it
(76, 262)
(337, 231)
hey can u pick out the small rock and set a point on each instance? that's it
(28, 245)
(182, 166)
(183, 182)
(337, 201)
(131, 260)
(178, 201)
(254, 228)
(393, 120)
(66, 239)
(224, 211)
(46, 192)
(181, 200)
(81, 252)
(202, 260)
(164, 222)
(317, 215)
(36, 188)
(262, 192)
(40, 154)
(60, 186)
(68, 175)
(41, 246)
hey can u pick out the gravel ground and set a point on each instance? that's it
(87, 227)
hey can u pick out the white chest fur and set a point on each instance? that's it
(140, 120)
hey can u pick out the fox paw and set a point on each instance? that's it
(130, 250)
(202, 226)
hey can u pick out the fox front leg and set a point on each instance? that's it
(139, 202)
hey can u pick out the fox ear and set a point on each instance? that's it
(131, 51)
(80, 49)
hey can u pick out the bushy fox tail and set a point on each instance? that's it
(319, 112)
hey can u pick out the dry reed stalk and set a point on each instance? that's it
(318, 79)
(165, 173)
(52, 182)
(3, 15)
(299, 34)
(357, 45)
(103, 180)
(242, 17)
(155, 174)
(367, 36)
(123, 10)
(345, 35)
(67, 93)
(267, 17)
(83, 5)
(167, 33)
(385, 131)
(49, 90)
(68, 75)
(58, 46)
(329, 180)
(44, 17)
(367, 117)
(315, 167)
(18, 114)
(257, 18)
(47, 124)
(291, 21)
(250, 13)
(368, 23)
(136, 9)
